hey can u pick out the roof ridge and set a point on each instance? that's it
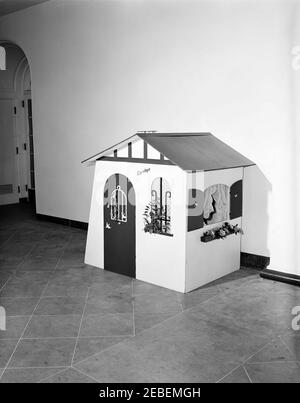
(173, 134)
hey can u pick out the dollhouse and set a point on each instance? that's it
(167, 209)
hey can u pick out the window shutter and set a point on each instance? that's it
(236, 200)
(195, 209)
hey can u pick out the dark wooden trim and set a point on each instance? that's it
(145, 150)
(194, 191)
(129, 150)
(109, 148)
(274, 275)
(115, 153)
(221, 169)
(254, 261)
(140, 160)
(63, 221)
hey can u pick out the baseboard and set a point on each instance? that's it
(288, 278)
(257, 262)
(63, 221)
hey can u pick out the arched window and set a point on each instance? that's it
(118, 205)
(216, 204)
(161, 205)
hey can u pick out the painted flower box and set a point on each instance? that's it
(221, 232)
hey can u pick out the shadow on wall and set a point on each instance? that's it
(255, 218)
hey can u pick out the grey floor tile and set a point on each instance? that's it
(183, 349)
(108, 284)
(145, 321)
(10, 261)
(70, 375)
(198, 296)
(23, 275)
(43, 353)
(3, 281)
(7, 271)
(246, 311)
(84, 273)
(124, 364)
(34, 289)
(143, 288)
(236, 279)
(237, 376)
(53, 326)
(107, 325)
(274, 351)
(157, 303)
(69, 260)
(47, 253)
(6, 349)
(86, 347)
(5, 236)
(14, 327)
(18, 306)
(78, 267)
(276, 372)
(26, 283)
(56, 290)
(60, 306)
(115, 302)
(292, 342)
(28, 375)
(31, 264)
(6, 274)
(58, 238)
(233, 320)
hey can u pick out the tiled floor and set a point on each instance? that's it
(68, 322)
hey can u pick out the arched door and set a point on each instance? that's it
(119, 225)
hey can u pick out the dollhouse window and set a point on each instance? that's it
(118, 205)
(216, 204)
(161, 205)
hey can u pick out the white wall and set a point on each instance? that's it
(102, 70)
(160, 259)
(295, 85)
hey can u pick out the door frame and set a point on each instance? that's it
(127, 228)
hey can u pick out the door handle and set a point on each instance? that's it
(107, 225)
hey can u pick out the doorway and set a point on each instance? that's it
(16, 129)
(119, 225)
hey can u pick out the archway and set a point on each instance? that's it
(17, 180)
(119, 225)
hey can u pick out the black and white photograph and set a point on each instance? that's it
(149, 195)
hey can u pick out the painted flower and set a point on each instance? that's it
(222, 233)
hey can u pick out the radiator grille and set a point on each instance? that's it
(6, 189)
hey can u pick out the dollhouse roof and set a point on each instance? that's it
(189, 151)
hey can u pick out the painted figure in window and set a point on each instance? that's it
(216, 204)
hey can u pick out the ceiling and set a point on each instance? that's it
(10, 6)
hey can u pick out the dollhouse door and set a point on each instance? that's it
(236, 200)
(119, 225)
